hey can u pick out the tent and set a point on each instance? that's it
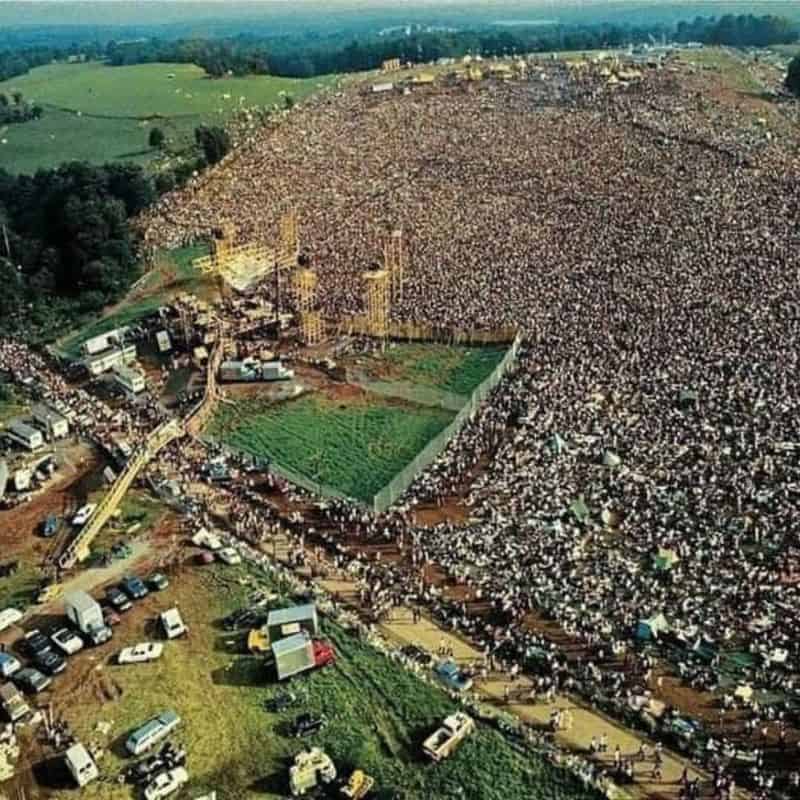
(557, 445)
(665, 559)
(611, 459)
(648, 629)
(579, 508)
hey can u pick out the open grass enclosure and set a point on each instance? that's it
(378, 714)
(172, 274)
(99, 113)
(454, 369)
(355, 445)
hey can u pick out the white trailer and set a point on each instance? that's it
(81, 765)
(26, 435)
(131, 380)
(84, 612)
(54, 424)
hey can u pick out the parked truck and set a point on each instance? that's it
(81, 765)
(12, 702)
(444, 741)
(310, 769)
(85, 613)
(299, 653)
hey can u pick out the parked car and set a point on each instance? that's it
(152, 732)
(168, 757)
(228, 555)
(9, 617)
(165, 783)
(204, 538)
(33, 643)
(158, 581)
(83, 513)
(50, 526)
(451, 677)
(110, 617)
(118, 599)
(31, 680)
(9, 665)
(280, 702)
(306, 725)
(172, 623)
(67, 641)
(134, 587)
(49, 662)
(139, 653)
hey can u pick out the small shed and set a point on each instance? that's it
(285, 622)
(665, 559)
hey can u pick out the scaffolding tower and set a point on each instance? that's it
(377, 299)
(290, 238)
(304, 283)
(394, 262)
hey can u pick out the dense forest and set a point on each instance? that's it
(65, 244)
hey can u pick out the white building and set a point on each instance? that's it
(25, 435)
(129, 379)
(108, 359)
(55, 426)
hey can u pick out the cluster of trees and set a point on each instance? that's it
(16, 109)
(66, 247)
(18, 61)
(745, 30)
(793, 76)
(213, 141)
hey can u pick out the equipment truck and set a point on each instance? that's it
(85, 614)
(358, 786)
(299, 653)
(310, 769)
(443, 741)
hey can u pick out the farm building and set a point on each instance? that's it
(24, 434)
(55, 426)
(131, 380)
(107, 360)
(285, 622)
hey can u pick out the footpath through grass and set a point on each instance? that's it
(378, 713)
(356, 446)
(99, 113)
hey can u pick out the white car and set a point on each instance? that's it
(83, 513)
(139, 653)
(166, 783)
(204, 538)
(229, 556)
(67, 641)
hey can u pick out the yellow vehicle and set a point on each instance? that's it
(49, 592)
(258, 640)
(358, 785)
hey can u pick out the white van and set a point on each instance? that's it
(9, 617)
(173, 624)
(81, 765)
(152, 732)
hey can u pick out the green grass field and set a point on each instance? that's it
(172, 275)
(356, 447)
(99, 113)
(378, 713)
(454, 369)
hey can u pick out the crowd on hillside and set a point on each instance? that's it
(643, 475)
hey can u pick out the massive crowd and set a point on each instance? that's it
(644, 239)
(642, 458)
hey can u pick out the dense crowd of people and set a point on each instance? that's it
(641, 459)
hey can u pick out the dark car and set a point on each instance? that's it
(134, 587)
(33, 643)
(168, 757)
(32, 681)
(158, 581)
(117, 599)
(280, 702)
(50, 526)
(49, 662)
(307, 725)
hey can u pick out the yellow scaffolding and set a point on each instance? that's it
(377, 299)
(394, 262)
(312, 328)
(290, 239)
(304, 283)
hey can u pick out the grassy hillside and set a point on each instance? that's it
(99, 113)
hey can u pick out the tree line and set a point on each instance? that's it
(17, 109)
(312, 55)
